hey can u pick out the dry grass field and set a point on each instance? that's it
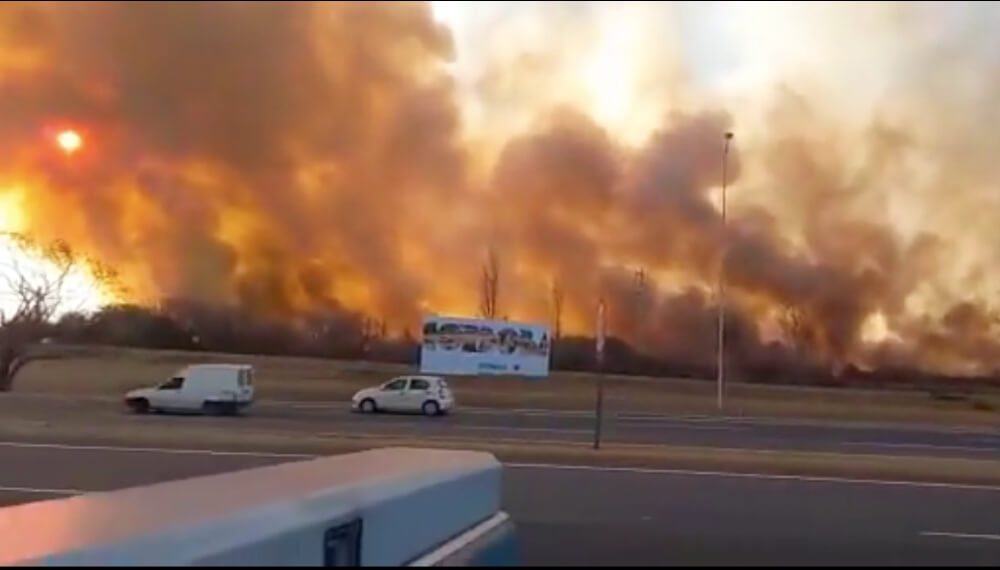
(110, 371)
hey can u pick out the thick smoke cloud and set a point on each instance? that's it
(296, 157)
(257, 151)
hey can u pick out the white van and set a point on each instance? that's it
(209, 388)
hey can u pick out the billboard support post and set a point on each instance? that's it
(599, 410)
(599, 338)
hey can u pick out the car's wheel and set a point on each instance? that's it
(139, 405)
(368, 406)
(431, 408)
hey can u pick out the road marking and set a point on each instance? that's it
(450, 438)
(640, 416)
(921, 446)
(166, 450)
(432, 428)
(524, 429)
(455, 545)
(960, 535)
(649, 421)
(764, 476)
(539, 412)
(39, 491)
(538, 466)
(302, 405)
(535, 411)
(667, 425)
(482, 411)
(570, 413)
(471, 410)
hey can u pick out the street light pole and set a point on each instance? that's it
(721, 301)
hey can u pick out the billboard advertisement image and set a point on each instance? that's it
(465, 346)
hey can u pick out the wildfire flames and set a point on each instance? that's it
(297, 156)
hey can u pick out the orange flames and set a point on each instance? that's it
(296, 157)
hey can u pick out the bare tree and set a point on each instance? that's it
(558, 297)
(407, 336)
(370, 333)
(32, 299)
(638, 311)
(798, 331)
(489, 286)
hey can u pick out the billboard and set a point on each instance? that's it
(454, 345)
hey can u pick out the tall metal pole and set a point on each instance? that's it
(600, 333)
(721, 304)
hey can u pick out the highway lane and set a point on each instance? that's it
(553, 426)
(596, 516)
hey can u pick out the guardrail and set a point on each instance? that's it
(385, 507)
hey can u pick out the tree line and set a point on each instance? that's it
(195, 326)
(338, 333)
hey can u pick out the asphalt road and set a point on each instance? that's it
(597, 516)
(554, 426)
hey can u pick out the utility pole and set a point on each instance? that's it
(600, 334)
(721, 326)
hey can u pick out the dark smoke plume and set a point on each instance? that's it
(298, 157)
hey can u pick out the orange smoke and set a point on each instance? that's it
(301, 156)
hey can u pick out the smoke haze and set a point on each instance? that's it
(296, 156)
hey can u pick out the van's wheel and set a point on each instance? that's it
(431, 408)
(139, 405)
(368, 406)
